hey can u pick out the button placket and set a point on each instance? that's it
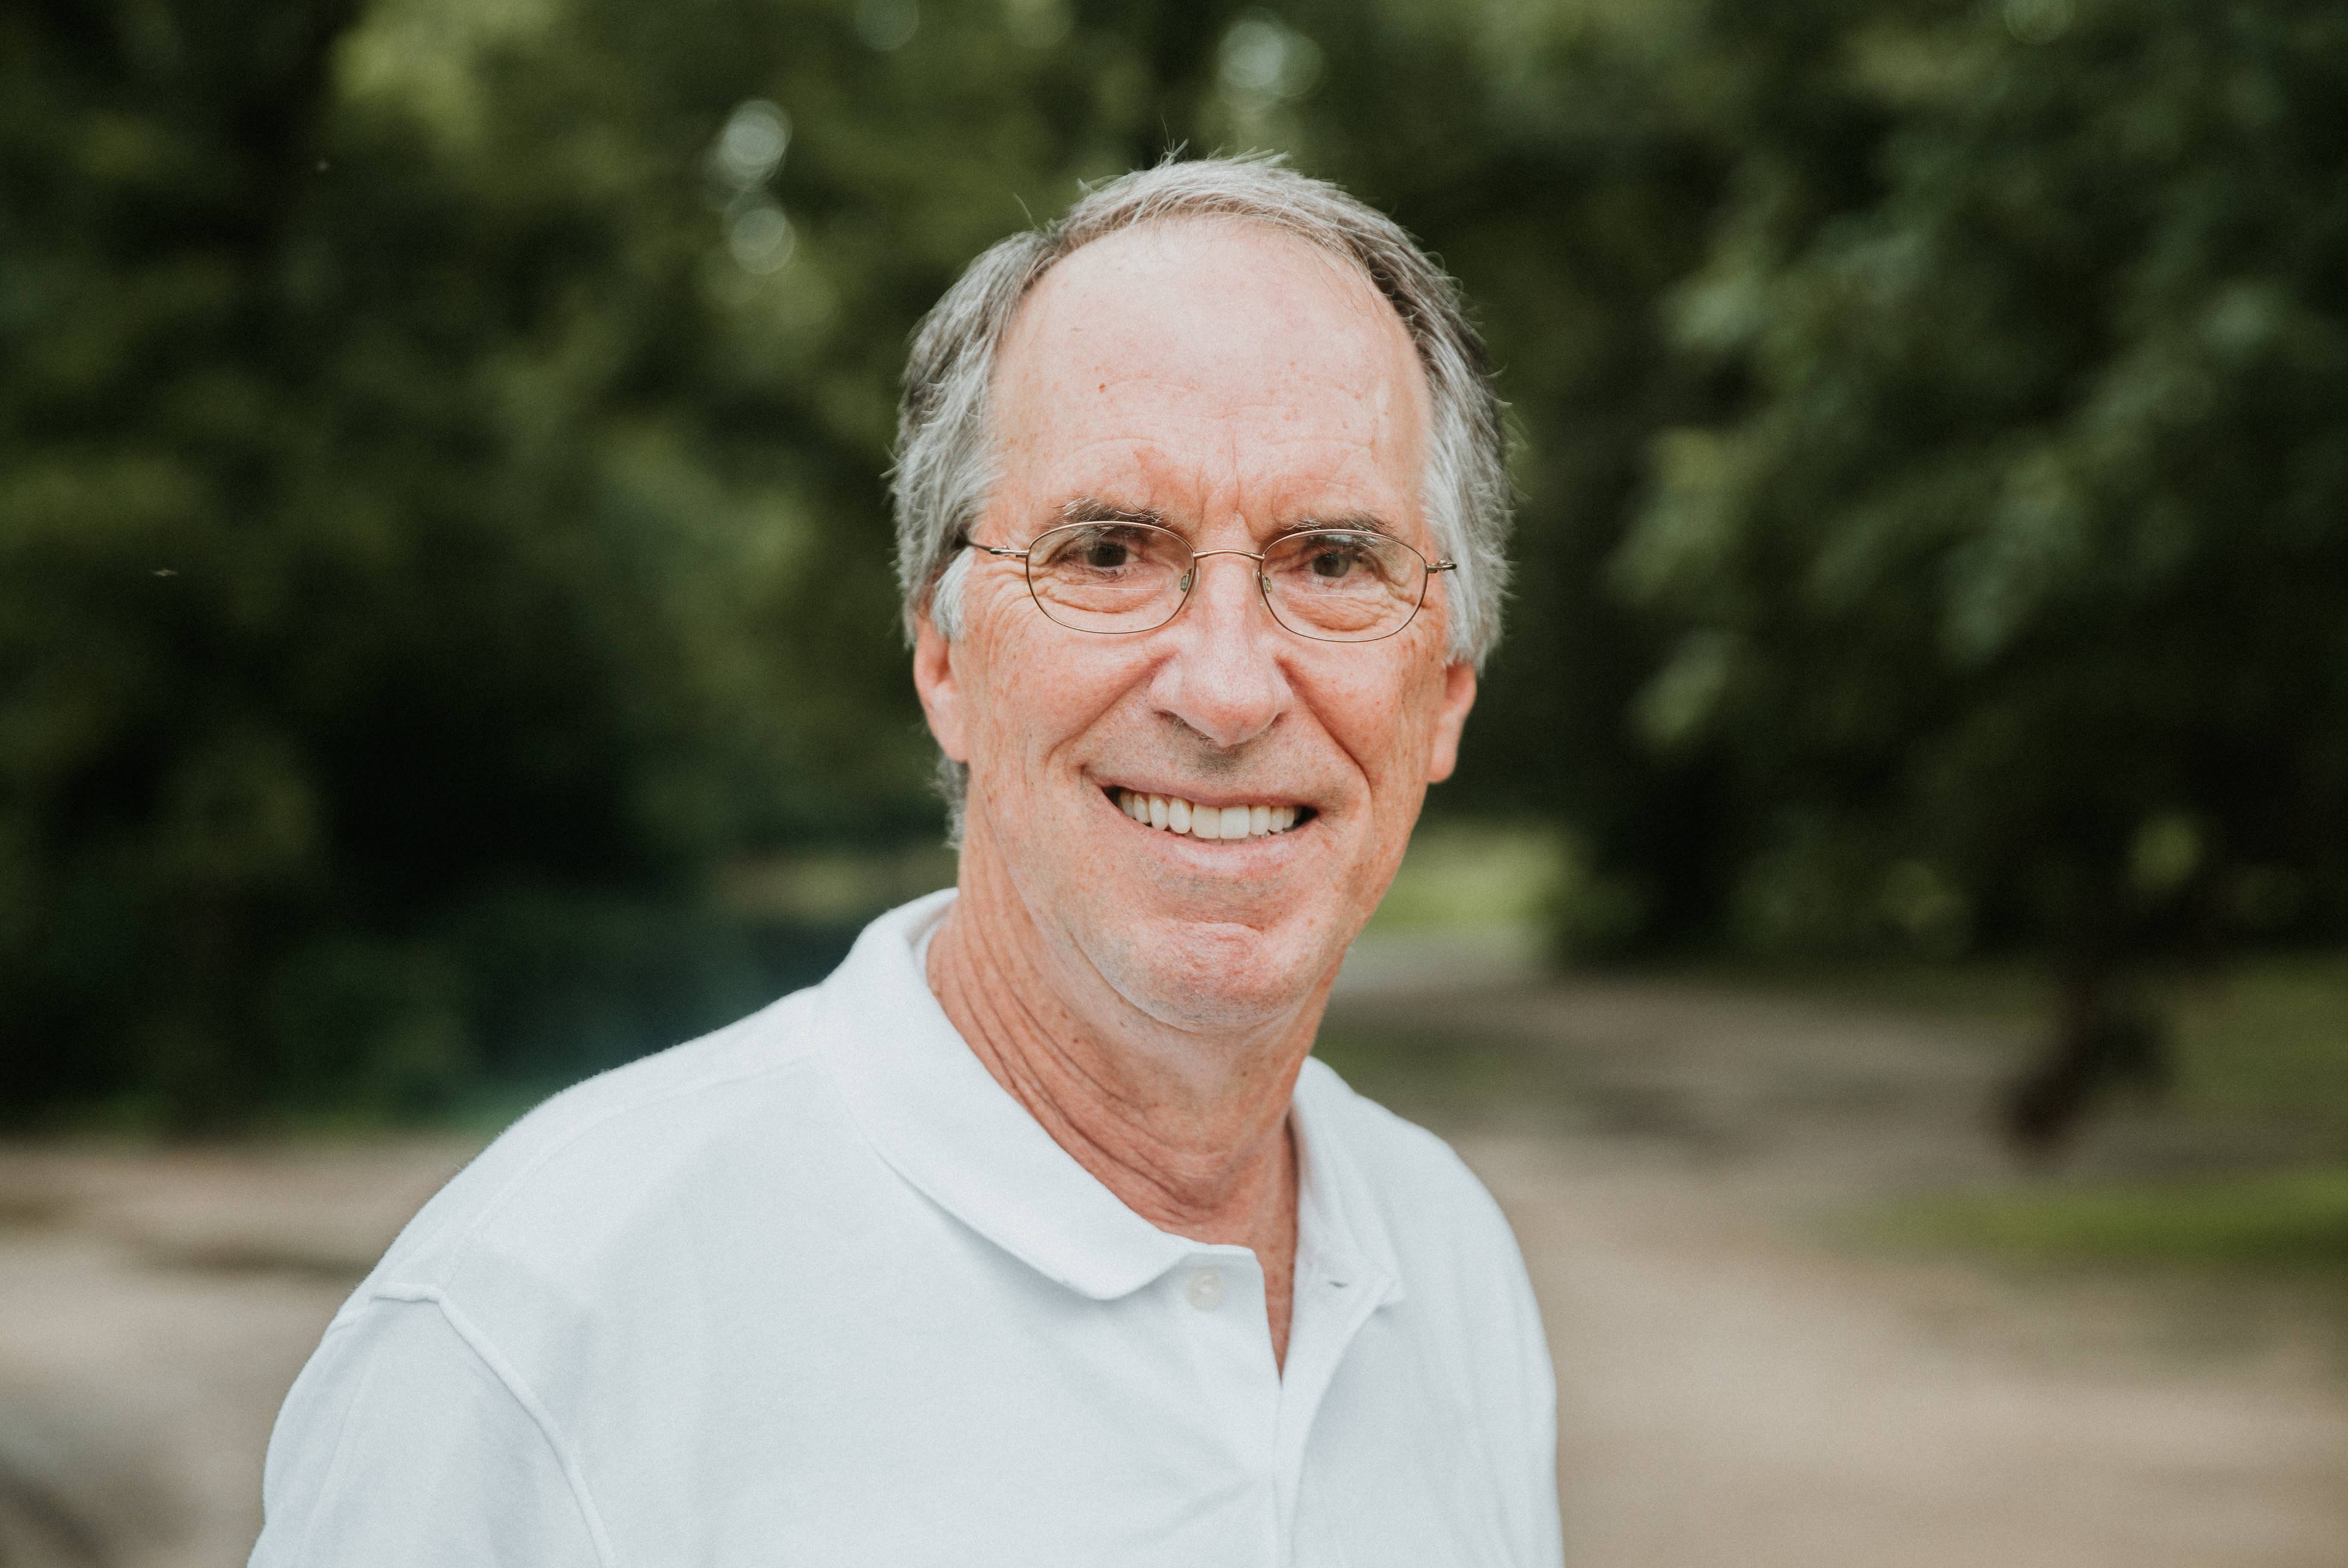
(1336, 1296)
(1219, 1295)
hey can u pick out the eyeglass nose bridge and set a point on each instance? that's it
(1190, 578)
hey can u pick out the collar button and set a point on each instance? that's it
(1205, 1290)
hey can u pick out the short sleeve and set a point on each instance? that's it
(402, 1443)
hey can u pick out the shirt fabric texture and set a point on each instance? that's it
(814, 1289)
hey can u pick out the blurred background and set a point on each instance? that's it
(1887, 944)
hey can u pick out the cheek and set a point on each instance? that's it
(1035, 688)
(990, 664)
(1383, 718)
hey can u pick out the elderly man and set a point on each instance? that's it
(1033, 1236)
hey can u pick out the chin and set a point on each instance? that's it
(1204, 973)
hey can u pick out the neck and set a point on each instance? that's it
(1190, 1129)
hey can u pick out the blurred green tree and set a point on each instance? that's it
(2015, 594)
(1545, 151)
(441, 445)
(441, 520)
(405, 593)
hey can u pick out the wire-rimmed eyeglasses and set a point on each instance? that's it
(1332, 584)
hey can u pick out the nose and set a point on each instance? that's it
(1224, 679)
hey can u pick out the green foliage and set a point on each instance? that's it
(1547, 154)
(442, 535)
(2016, 589)
(442, 521)
(407, 593)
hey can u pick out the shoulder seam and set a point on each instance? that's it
(335, 1463)
(489, 1205)
(520, 1392)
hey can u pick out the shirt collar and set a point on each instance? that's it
(938, 1117)
(935, 1113)
(1340, 1224)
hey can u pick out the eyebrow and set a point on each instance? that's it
(1091, 509)
(1347, 521)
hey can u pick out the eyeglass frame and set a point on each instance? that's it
(1262, 584)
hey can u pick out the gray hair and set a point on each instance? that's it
(945, 451)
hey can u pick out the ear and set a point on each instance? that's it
(940, 687)
(1451, 719)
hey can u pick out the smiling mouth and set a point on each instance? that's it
(1172, 814)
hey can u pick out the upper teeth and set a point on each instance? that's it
(1177, 815)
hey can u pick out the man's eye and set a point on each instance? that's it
(1105, 551)
(1336, 560)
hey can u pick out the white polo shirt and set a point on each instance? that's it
(815, 1290)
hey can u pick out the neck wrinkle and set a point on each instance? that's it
(1218, 1167)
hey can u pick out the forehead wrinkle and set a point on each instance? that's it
(1055, 437)
(1353, 290)
(1274, 292)
(1148, 410)
(1159, 472)
(1130, 375)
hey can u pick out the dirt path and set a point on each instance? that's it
(1729, 1397)
(154, 1307)
(1733, 1391)
(1737, 1391)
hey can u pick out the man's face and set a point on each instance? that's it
(1238, 384)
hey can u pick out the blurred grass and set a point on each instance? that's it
(2261, 1055)
(479, 1110)
(2284, 1221)
(1477, 876)
(2265, 1038)
(2261, 1052)
(842, 888)
(1447, 1078)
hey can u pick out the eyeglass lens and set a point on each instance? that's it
(1334, 584)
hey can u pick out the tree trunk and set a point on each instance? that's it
(2106, 1036)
